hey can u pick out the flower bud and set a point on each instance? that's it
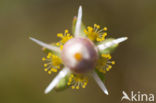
(79, 55)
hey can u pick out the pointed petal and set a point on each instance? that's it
(56, 80)
(100, 82)
(53, 48)
(78, 23)
(111, 43)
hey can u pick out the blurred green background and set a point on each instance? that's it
(22, 79)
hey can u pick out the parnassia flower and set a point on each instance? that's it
(85, 53)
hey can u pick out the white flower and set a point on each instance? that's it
(79, 55)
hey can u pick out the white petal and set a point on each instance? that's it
(78, 23)
(56, 80)
(100, 82)
(111, 43)
(53, 48)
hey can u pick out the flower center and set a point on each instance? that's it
(78, 56)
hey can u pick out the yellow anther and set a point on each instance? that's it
(113, 62)
(68, 34)
(43, 59)
(53, 70)
(48, 57)
(90, 29)
(58, 44)
(70, 79)
(58, 67)
(61, 47)
(104, 34)
(77, 87)
(107, 69)
(60, 35)
(45, 69)
(85, 83)
(98, 26)
(109, 57)
(49, 72)
(45, 65)
(98, 39)
(109, 66)
(105, 28)
(85, 31)
(68, 83)
(66, 31)
(83, 86)
(95, 25)
(73, 87)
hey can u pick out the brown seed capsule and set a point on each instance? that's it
(79, 55)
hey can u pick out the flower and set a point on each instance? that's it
(78, 56)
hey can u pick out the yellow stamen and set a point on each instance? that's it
(45, 69)
(60, 35)
(104, 63)
(94, 34)
(49, 72)
(76, 81)
(95, 25)
(53, 70)
(113, 62)
(98, 26)
(53, 63)
(64, 38)
(58, 44)
(77, 87)
(105, 28)
(73, 87)
(43, 59)
(61, 47)
(66, 31)
(45, 65)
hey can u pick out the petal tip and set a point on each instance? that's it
(46, 92)
(80, 8)
(106, 92)
(31, 38)
(125, 38)
(119, 40)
